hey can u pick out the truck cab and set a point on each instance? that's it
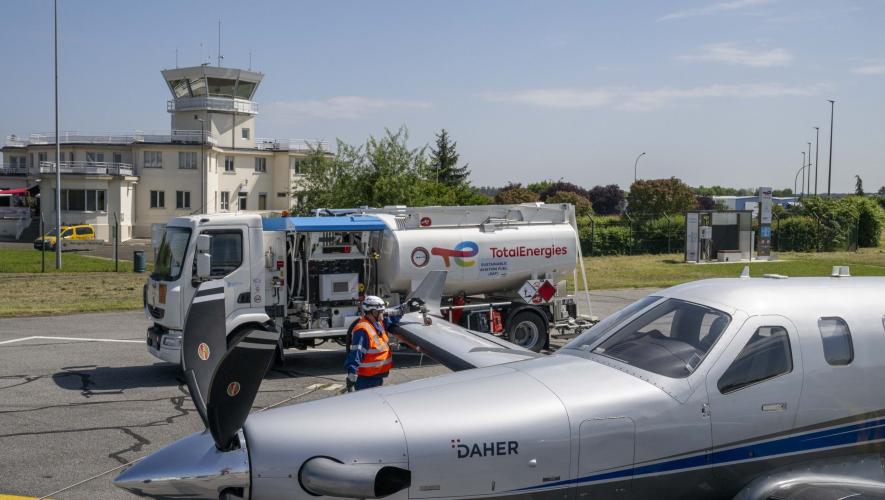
(234, 241)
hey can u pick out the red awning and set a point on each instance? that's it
(19, 191)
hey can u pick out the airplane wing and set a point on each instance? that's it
(455, 347)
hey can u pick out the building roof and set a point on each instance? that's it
(308, 224)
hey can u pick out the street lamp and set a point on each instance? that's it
(808, 191)
(796, 178)
(803, 173)
(830, 168)
(202, 174)
(816, 151)
(635, 163)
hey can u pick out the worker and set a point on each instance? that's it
(370, 359)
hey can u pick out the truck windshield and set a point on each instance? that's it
(170, 254)
(670, 339)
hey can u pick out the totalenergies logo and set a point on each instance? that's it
(460, 254)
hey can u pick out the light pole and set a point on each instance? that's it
(202, 175)
(57, 146)
(635, 163)
(803, 174)
(816, 151)
(830, 168)
(796, 180)
(808, 191)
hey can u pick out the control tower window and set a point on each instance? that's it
(245, 133)
(198, 87)
(245, 90)
(180, 88)
(221, 87)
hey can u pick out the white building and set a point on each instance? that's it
(210, 160)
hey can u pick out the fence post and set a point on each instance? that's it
(632, 233)
(116, 246)
(668, 233)
(592, 235)
(42, 244)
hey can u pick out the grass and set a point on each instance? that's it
(84, 284)
(668, 270)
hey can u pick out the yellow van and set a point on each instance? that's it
(80, 232)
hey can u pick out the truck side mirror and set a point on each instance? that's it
(204, 258)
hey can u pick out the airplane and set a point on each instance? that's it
(747, 388)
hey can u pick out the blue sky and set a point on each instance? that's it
(715, 92)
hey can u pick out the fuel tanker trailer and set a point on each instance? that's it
(305, 276)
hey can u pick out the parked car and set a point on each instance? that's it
(79, 232)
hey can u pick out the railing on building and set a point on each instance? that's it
(88, 168)
(9, 169)
(176, 136)
(298, 145)
(231, 104)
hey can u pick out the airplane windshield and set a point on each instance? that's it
(586, 340)
(670, 339)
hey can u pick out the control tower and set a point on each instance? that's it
(221, 97)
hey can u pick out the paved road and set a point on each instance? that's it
(80, 395)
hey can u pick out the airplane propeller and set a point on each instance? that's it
(222, 376)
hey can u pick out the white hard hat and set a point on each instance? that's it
(373, 303)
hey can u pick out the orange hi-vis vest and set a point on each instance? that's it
(377, 360)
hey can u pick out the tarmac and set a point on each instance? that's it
(80, 396)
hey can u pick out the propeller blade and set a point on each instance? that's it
(430, 291)
(204, 342)
(236, 383)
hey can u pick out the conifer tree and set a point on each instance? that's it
(444, 161)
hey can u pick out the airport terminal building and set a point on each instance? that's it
(209, 161)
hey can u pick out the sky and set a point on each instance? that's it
(714, 92)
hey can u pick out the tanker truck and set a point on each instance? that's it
(306, 276)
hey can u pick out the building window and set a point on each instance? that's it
(225, 201)
(241, 201)
(153, 159)
(158, 199)
(118, 157)
(71, 157)
(245, 133)
(262, 201)
(182, 199)
(187, 159)
(84, 200)
(93, 157)
(836, 337)
(295, 165)
(18, 161)
(228, 163)
(281, 194)
(261, 164)
(41, 157)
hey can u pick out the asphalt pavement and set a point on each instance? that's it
(80, 396)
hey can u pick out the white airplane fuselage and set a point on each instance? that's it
(780, 385)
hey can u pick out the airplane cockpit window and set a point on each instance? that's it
(766, 355)
(596, 332)
(670, 339)
(836, 337)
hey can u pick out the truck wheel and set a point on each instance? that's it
(527, 329)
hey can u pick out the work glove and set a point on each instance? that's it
(351, 382)
(415, 304)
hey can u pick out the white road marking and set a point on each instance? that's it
(79, 339)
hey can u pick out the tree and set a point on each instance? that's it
(882, 191)
(582, 205)
(444, 161)
(607, 200)
(660, 196)
(539, 187)
(858, 186)
(513, 194)
(705, 203)
(782, 192)
(563, 187)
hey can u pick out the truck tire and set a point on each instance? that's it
(527, 329)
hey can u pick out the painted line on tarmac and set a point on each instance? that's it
(80, 339)
(15, 497)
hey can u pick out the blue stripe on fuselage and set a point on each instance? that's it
(834, 437)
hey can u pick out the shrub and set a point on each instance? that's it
(513, 194)
(582, 205)
(563, 187)
(796, 234)
(608, 200)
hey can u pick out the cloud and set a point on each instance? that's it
(645, 100)
(714, 9)
(872, 68)
(730, 53)
(345, 107)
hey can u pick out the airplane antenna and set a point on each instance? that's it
(250, 60)
(220, 57)
(176, 57)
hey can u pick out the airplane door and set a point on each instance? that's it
(753, 392)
